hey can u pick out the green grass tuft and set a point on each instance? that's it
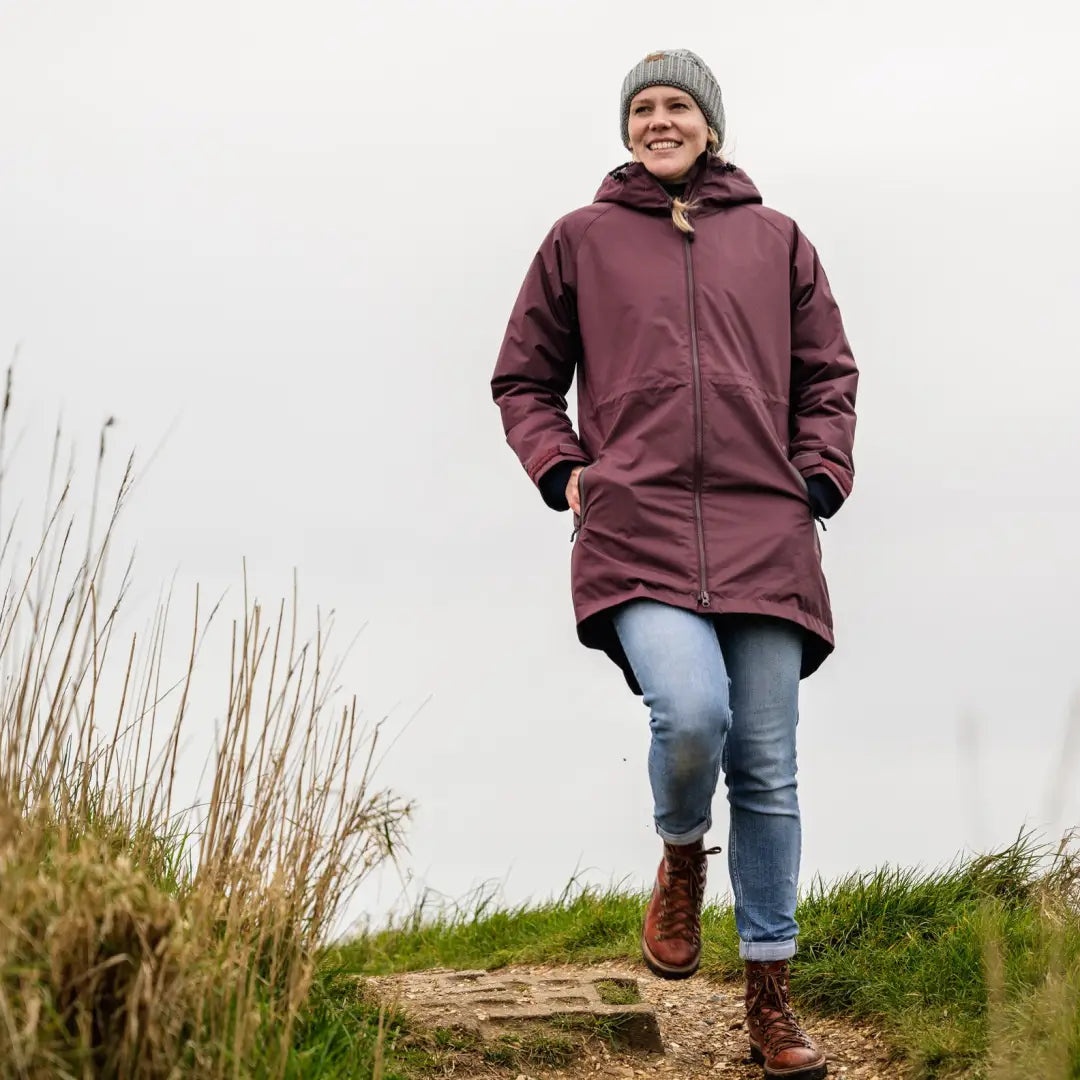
(337, 1034)
(618, 992)
(590, 926)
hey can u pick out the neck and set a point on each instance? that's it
(682, 182)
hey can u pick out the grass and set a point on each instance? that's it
(618, 992)
(970, 970)
(585, 927)
(342, 1033)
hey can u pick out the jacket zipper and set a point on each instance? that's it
(699, 434)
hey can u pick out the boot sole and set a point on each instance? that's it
(666, 971)
(803, 1072)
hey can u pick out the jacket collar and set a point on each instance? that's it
(712, 183)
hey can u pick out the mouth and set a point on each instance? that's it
(663, 144)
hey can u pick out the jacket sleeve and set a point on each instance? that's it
(824, 377)
(536, 363)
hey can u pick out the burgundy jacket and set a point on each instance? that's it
(713, 377)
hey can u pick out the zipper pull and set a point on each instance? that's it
(703, 597)
(577, 528)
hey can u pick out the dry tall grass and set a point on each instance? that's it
(138, 940)
(1036, 1032)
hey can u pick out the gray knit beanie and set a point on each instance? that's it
(674, 67)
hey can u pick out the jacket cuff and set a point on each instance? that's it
(825, 497)
(812, 463)
(565, 451)
(553, 484)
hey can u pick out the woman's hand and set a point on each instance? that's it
(573, 493)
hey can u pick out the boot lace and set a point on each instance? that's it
(680, 903)
(780, 1028)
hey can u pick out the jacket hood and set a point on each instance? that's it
(711, 182)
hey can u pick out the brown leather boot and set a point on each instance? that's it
(776, 1039)
(671, 936)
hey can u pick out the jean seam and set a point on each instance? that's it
(733, 861)
(733, 857)
(716, 768)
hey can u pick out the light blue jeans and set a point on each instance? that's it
(723, 693)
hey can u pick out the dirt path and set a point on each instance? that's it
(700, 1025)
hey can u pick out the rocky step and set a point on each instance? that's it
(490, 1004)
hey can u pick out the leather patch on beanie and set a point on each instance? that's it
(654, 56)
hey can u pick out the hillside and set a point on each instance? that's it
(972, 970)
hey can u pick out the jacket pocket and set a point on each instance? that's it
(579, 518)
(803, 485)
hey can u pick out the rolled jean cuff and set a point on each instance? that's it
(765, 951)
(686, 837)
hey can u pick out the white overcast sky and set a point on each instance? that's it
(279, 243)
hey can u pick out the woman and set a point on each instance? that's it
(716, 394)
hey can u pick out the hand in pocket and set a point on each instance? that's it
(573, 492)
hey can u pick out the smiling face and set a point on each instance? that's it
(668, 131)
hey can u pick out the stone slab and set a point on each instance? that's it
(490, 1003)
